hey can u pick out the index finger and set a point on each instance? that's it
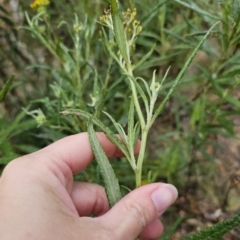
(76, 150)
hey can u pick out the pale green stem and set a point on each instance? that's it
(144, 132)
(135, 99)
(77, 68)
(138, 171)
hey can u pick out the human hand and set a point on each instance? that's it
(40, 201)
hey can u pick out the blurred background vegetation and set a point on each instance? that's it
(194, 144)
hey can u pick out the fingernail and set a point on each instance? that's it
(163, 197)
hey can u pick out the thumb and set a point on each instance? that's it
(138, 212)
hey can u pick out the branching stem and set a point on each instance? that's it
(144, 130)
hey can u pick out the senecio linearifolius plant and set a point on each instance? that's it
(119, 33)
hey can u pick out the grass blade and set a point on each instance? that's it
(110, 181)
(6, 88)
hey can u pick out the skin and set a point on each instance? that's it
(40, 201)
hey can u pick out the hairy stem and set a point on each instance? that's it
(135, 98)
(138, 171)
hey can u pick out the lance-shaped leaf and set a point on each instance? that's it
(140, 91)
(110, 181)
(131, 134)
(140, 63)
(124, 139)
(119, 32)
(180, 75)
(6, 88)
(118, 128)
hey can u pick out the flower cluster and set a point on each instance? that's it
(131, 25)
(38, 4)
(106, 19)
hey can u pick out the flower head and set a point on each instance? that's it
(39, 3)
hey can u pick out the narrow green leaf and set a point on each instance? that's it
(110, 181)
(6, 88)
(213, 33)
(141, 92)
(110, 135)
(132, 132)
(119, 31)
(36, 18)
(13, 126)
(3, 10)
(169, 232)
(225, 123)
(125, 139)
(144, 58)
(118, 127)
(150, 15)
(131, 125)
(198, 110)
(193, 6)
(108, 48)
(28, 19)
(145, 84)
(7, 21)
(216, 231)
(223, 95)
(180, 75)
(164, 77)
(149, 177)
(233, 100)
(179, 37)
(136, 132)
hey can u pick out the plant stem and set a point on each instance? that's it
(144, 130)
(138, 171)
(135, 98)
(77, 66)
